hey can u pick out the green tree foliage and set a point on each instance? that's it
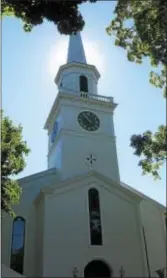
(153, 147)
(13, 151)
(140, 28)
(64, 14)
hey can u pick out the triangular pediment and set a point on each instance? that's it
(92, 178)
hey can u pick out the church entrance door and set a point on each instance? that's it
(97, 268)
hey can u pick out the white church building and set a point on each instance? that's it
(77, 218)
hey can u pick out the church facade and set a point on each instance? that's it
(77, 219)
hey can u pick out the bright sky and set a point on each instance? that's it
(30, 62)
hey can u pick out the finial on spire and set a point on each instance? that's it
(75, 50)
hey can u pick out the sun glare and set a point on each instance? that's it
(58, 56)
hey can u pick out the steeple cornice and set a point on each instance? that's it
(76, 64)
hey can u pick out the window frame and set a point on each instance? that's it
(23, 245)
(94, 242)
(83, 82)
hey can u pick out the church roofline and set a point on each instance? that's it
(142, 195)
(73, 64)
(74, 180)
(52, 171)
(58, 184)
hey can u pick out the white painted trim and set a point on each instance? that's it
(27, 179)
(95, 178)
(145, 197)
(79, 65)
(77, 98)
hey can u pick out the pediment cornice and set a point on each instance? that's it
(92, 178)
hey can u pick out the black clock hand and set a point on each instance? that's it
(87, 118)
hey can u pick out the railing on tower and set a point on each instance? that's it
(96, 97)
(85, 95)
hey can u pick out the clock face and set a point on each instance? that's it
(54, 132)
(88, 121)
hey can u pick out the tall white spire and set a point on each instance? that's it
(75, 50)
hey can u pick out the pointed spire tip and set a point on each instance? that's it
(76, 50)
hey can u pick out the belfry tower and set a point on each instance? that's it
(80, 124)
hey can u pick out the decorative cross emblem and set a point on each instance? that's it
(91, 159)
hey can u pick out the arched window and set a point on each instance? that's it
(17, 250)
(94, 217)
(83, 84)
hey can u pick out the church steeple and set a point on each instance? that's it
(76, 75)
(76, 50)
(80, 124)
